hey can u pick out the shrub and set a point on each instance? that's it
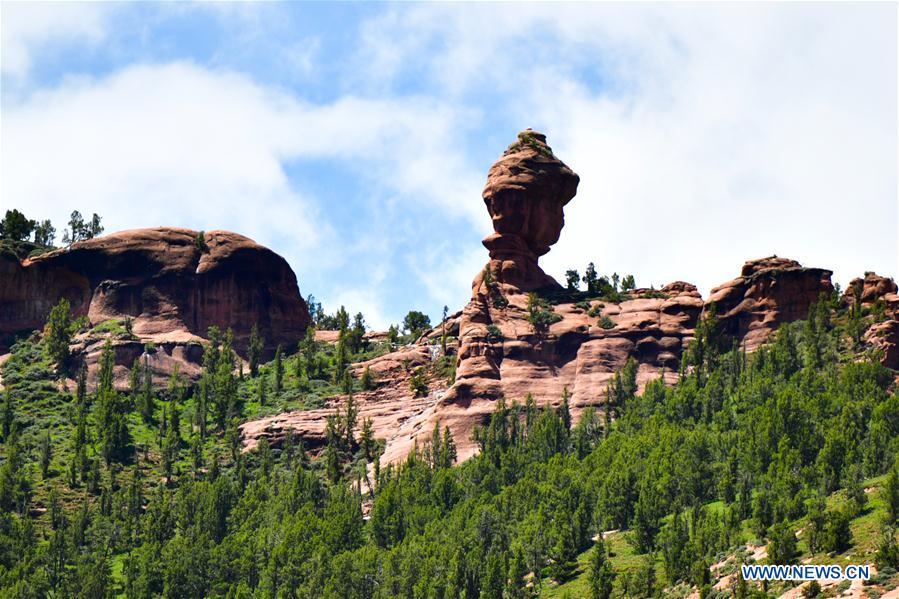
(606, 323)
(540, 314)
(813, 589)
(494, 334)
(836, 535)
(418, 384)
(200, 242)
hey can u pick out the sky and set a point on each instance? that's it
(354, 139)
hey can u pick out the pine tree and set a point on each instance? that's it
(782, 548)
(224, 388)
(346, 382)
(601, 575)
(368, 442)
(147, 401)
(332, 461)
(261, 391)
(279, 371)
(350, 421)
(196, 455)
(393, 336)
(254, 350)
(443, 331)
(112, 412)
(516, 587)
(9, 415)
(890, 493)
(367, 382)
(564, 411)
(134, 381)
(81, 387)
(46, 454)
(58, 333)
(449, 447)
(493, 579)
(357, 334)
(648, 513)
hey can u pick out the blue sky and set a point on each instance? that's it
(354, 139)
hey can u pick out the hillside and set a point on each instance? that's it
(174, 424)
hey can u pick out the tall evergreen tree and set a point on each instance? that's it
(254, 350)
(58, 333)
(601, 575)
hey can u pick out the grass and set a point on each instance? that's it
(624, 559)
(115, 327)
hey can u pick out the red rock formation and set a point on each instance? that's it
(171, 287)
(871, 288)
(526, 191)
(883, 337)
(876, 293)
(575, 353)
(500, 355)
(397, 415)
(768, 292)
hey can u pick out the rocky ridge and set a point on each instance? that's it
(499, 354)
(171, 284)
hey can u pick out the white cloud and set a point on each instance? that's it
(716, 135)
(26, 26)
(178, 144)
(712, 136)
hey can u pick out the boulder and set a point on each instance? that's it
(167, 280)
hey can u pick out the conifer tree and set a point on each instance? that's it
(278, 371)
(254, 350)
(147, 401)
(58, 333)
(601, 575)
(261, 395)
(367, 441)
(46, 454)
(112, 412)
(367, 381)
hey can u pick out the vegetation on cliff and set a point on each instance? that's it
(146, 493)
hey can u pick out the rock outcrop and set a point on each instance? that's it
(584, 341)
(397, 414)
(871, 288)
(500, 354)
(878, 295)
(768, 292)
(883, 337)
(526, 191)
(172, 283)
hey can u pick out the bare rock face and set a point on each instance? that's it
(526, 191)
(171, 285)
(768, 292)
(884, 338)
(398, 416)
(871, 288)
(872, 291)
(502, 356)
(499, 354)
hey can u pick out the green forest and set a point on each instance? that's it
(147, 493)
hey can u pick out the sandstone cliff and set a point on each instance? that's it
(768, 292)
(499, 352)
(172, 283)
